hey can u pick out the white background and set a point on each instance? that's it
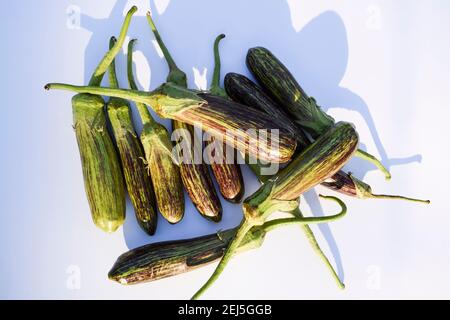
(382, 65)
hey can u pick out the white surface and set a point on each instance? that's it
(387, 60)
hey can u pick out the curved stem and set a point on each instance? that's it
(370, 158)
(215, 87)
(175, 74)
(395, 197)
(273, 224)
(242, 231)
(99, 72)
(145, 115)
(112, 76)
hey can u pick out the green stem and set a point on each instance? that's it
(145, 115)
(99, 72)
(113, 82)
(370, 158)
(395, 197)
(175, 74)
(134, 95)
(215, 87)
(273, 224)
(318, 250)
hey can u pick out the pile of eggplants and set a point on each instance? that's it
(310, 146)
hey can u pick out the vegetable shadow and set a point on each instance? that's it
(317, 55)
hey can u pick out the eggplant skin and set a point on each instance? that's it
(242, 90)
(103, 178)
(164, 173)
(228, 175)
(131, 152)
(281, 85)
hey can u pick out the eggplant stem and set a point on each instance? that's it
(215, 87)
(134, 95)
(112, 76)
(145, 115)
(102, 67)
(240, 234)
(370, 158)
(313, 241)
(396, 197)
(175, 74)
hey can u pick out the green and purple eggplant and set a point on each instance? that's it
(165, 174)
(131, 153)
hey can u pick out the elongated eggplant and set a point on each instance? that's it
(165, 259)
(131, 153)
(165, 174)
(103, 178)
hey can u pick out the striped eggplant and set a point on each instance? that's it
(131, 153)
(165, 174)
(281, 85)
(103, 179)
(165, 259)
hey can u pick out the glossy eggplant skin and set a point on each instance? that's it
(281, 85)
(165, 259)
(242, 90)
(320, 161)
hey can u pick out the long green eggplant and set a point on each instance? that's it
(281, 85)
(103, 178)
